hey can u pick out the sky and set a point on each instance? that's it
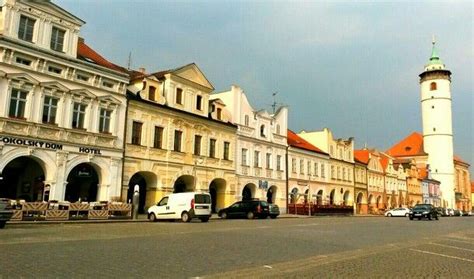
(350, 66)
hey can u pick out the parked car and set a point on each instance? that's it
(246, 209)
(274, 210)
(441, 211)
(6, 212)
(467, 213)
(398, 212)
(450, 211)
(184, 206)
(423, 211)
(457, 212)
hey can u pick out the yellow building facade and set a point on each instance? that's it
(177, 139)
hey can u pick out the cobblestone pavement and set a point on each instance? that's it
(327, 247)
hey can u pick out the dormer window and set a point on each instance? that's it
(219, 113)
(246, 121)
(57, 39)
(25, 30)
(199, 102)
(151, 93)
(432, 86)
(179, 96)
(262, 131)
(278, 129)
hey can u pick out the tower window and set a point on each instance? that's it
(432, 107)
(434, 129)
(432, 86)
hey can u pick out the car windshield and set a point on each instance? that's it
(421, 207)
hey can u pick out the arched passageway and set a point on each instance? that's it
(217, 190)
(248, 192)
(319, 197)
(22, 178)
(346, 197)
(332, 197)
(271, 194)
(82, 183)
(184, 183)
(144, 181)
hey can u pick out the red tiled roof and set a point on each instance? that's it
(84, 52)
(362, 156)
(460, 160)
(422, 173)
(384, 161)
(409, 146)
(296, 141)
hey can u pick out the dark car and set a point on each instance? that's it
(274, 210)
(441, 211)
(246, 209)
(457, 212)
(6, 212)
(423, 211)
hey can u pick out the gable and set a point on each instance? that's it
(54, 85)
(52, 9)
(409, 146)
(192, 73)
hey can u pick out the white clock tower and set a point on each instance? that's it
(436, 113)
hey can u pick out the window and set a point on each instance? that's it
(246, 120)
(23, 61)
(78, 113)
(262, 131)
(17, 104)
(55, 70)
(226, 150)
(179, 96)
(197, 144)
(199, 102)
(137, 132)
(308, 168)
(269, 160)
(104, 120)
(293, 165)
(433, 86)
(301, 166)
(316, 169)
(256, 159)
(158, 139)
(322, 170)
(25, 31)
(177, 140)
(244, 156)
(57, 39)
(50, 107)
(219, 113)
(151, 93)
(82, 77)
(107, 84)
(278, 129)
(332, 172)
(279, 162)
(212, 148)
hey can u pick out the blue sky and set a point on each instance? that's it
(350, 66)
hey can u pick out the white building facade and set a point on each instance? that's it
(61, 108)
(260, 149)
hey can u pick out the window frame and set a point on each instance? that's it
(50, 107)
(78, 115)
(24, 33)
(197, 145)
(212, 148)
(137, 128)
(177, 142)
(20, 98)
(105, 120)
(54, 41)
(158, 137)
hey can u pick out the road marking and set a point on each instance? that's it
(453, 247)
(267, 266)
(442, 255)
(457, 240)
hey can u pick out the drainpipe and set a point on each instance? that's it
(286, 175)
(124, 144)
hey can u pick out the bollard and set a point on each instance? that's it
(135, 201)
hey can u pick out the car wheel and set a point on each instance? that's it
(185, 217)
(429, 216)
(204, 219)
(436, 217)
(152, 217)
(250, 215)
(411, 218)
(406, 215)
(2, 224)
(389, 215)
(273, 216)
(224, 215)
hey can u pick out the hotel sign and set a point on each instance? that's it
(46, 145)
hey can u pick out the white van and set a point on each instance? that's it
(184, 206)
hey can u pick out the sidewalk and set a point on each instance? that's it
(143, 218)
